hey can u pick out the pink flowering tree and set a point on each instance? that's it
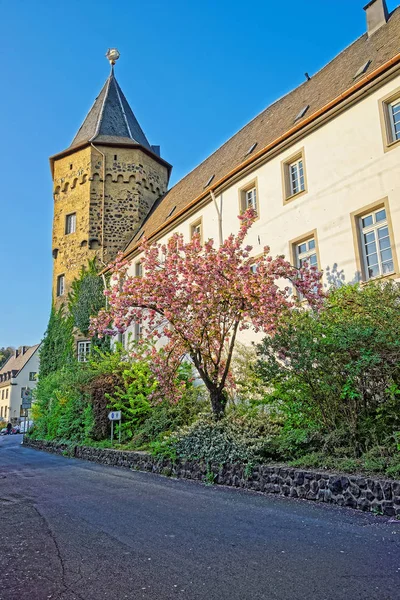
(196, 298)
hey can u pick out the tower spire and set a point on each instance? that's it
(111, 119)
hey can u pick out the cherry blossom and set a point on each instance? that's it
(196, 298)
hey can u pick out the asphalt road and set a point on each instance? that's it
(75, 530)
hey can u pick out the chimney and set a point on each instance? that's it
(17, 353)
(377, 15)
(24, 349)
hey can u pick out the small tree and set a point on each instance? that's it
(5, 354)
(198, 298)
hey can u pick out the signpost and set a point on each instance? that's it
(115, 415)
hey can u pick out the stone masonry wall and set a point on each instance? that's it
(363, 493)
(133, 182)
(71, 195)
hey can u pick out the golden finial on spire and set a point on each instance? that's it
(113, 55)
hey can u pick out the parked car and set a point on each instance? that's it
(13, 430)
(29, 425)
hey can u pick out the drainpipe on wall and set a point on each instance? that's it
(104, 199)
(219, 213)
(105, 286)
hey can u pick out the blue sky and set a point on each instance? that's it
(193, 72)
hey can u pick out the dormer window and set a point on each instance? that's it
(362, 69)
(209, 181)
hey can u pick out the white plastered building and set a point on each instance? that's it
(321, 166)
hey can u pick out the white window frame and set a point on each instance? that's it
(374, 229)
(250, 199)
(305, 255)
(394, 119)
(34, 373)
(70, 223)
(196, 228)
(138, 268)
(83, 350)
(296, 176)
(60, 285)
(138, 331)
(123, 340)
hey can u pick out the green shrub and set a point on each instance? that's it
(57, 349)
(339, 366)
(86, 297)
(231, 439)
(62, 409)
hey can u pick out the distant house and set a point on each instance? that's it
(17, 373)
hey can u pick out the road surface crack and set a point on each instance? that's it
(59, 556)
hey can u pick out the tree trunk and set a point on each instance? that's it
(218, 403)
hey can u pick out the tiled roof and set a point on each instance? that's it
(17, 363)
(110, 120)
(335, 79)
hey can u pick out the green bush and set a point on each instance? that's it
(234, 438)
(62, 409)
(86, 297)
(340, 366)
(132, 397)
(57, 348)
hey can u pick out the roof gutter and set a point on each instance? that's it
(349, 92)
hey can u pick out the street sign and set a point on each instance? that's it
(115, 415)
(26, 395)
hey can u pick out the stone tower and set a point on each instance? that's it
(104, 185)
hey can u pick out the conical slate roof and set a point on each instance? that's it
(111, 120)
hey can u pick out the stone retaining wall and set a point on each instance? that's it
(363, 493)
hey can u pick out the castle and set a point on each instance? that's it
(321, 167)
(105, 183)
